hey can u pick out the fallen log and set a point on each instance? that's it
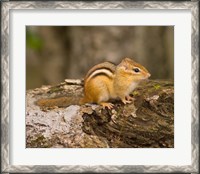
(146, 122)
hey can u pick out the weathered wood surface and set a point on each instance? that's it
(147, 122)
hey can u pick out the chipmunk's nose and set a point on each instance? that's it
(148, 75)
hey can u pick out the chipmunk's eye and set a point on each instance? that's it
(136, 70)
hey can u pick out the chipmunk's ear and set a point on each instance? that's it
(127, 60)
(125, 63)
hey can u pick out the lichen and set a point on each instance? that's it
(55, 89)
(38, 140)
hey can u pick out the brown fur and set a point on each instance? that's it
(103, 82)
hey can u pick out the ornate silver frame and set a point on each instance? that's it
(7, 6)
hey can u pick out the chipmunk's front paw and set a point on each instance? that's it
(129, 98)
(125, 101)
(107, 105)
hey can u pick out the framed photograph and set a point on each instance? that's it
(100, 87)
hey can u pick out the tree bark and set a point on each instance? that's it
(146, 122)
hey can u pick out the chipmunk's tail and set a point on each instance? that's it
(83, 101)
(60, 102)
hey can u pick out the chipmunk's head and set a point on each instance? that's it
(136, 70)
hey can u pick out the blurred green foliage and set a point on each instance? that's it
(33, 40)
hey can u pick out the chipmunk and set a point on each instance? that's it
(107, 81)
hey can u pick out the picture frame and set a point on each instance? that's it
(6, 153)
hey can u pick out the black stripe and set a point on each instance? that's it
(101, 74)
(102, 69)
